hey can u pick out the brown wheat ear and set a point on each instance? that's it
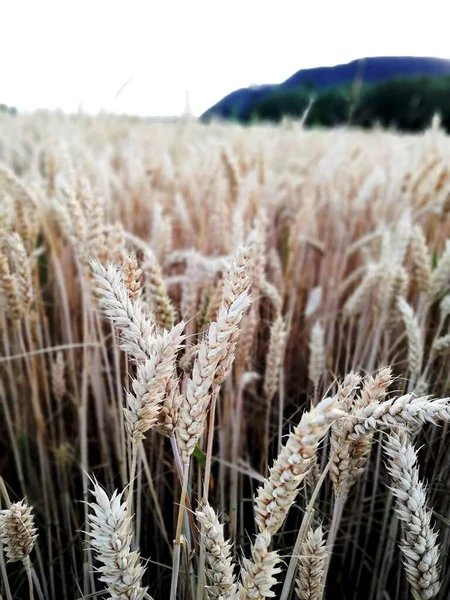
(17, 531)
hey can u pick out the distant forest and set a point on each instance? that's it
(407, 104)
(402, 103)
(8, 109)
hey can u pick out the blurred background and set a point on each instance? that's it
(159, 59)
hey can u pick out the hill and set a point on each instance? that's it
(369, 70)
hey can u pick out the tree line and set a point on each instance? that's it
(406, 104)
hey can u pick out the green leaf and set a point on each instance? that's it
(435, 259)
(199, 456)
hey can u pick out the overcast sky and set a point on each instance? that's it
(56, 53)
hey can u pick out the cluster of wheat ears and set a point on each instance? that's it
(224, 359)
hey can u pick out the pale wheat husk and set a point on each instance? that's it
(17, 531)
(220, 570)
(419, 542)
(313, 555)
(110, 534)
(278, 493)
(349, 457)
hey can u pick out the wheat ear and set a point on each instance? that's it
(220, 568)
(313, 556)
(18, 533)
(421, 259)
(258, 574)
(111, 533)
(349, 457)
(413, 334)
(215, 355)
(440, 276)
(406, 410)
(145, 402)
(280, 489)
(156, 292)
(136, 330)
(316, 365)
(419, 544)
(132, 277)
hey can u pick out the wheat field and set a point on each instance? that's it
(224, 359)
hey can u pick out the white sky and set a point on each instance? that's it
(56, 53)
